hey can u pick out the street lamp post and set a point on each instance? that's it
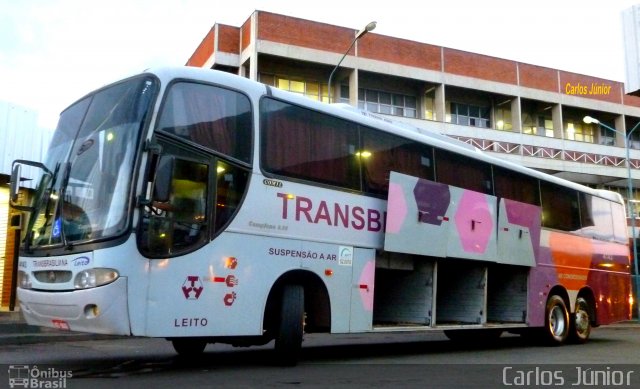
(627, 137)
(360, 34)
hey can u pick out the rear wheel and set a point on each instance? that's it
(580, 322)
(291, 325)
(189, 347)
(557, 320)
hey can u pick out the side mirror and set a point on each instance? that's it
(163, 179)
(15, 182)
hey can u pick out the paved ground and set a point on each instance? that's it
(14, 330)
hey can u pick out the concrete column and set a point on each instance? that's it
(353, 88)
(440, 104)
(556, 116)
(621, 126)
(253, 48)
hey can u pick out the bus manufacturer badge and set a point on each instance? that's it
(81, 261)
(192, 288)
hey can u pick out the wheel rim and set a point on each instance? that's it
(557, 322)
(582, 323)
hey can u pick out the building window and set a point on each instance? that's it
(503, 117)
(430, 106)
(579, 132)
(387, 103)
(470, 115)
(607, 137)
(539, 125)
(344, 94)
(634, 140)
(537, 119)
(312, 89)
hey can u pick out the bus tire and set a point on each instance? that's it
(580, 326)
(290, 326)
(188, 347)
(556, 326)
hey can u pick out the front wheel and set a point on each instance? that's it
(291, 325)
(557, 320)
(580, 322)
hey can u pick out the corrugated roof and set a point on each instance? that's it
(21, 138)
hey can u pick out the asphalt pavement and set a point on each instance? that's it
(14, 330)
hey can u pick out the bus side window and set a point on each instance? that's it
(231, 182)
(176, 218)
(516, 186)
(559, 207)
(382, 153)
(463, 172)
(595, 214)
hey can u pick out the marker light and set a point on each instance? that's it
(90, 278)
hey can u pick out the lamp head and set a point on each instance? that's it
(589, 120)
(369, 27)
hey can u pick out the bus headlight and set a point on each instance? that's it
(24, 281)
(90, 278)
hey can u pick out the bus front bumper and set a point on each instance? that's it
(100, 310)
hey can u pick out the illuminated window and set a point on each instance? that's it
(312, 89)
(430, 107)
(503, 117)
(579, 132)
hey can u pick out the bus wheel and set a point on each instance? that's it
(557, 320)
(188, 347)
(291, 325)
(580, 322)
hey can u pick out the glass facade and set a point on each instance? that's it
(313, 89)
(465, 107)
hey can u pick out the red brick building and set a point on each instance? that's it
(526, 113)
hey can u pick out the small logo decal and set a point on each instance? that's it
(81, 261)
(345, 257)
(192, 288)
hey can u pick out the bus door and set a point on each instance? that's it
(192, 196)
(176, 222)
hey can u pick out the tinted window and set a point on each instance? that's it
(559, 207)
(302, 143)
(216, 118)
(515, 186)
(595, 214)
(463, 172)
(620, 231)
(382, 153)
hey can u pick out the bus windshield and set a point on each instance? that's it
(86, 194)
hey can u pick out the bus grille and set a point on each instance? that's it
(53, 276)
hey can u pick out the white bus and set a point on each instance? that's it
(201, 207)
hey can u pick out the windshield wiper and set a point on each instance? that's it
(66, 173)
